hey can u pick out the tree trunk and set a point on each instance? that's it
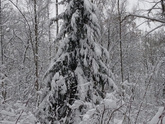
(36, 45)
(1, 35)
(4, 92)
(57, 26)
(49, 33)
(120, 49)
(120, 38)
(163, 7)
(56, 16)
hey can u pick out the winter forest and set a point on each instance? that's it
(82, 62)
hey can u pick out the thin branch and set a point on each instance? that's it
(30, 31)
(144, 17)
(117, 109)
(26, 22)
(149, 11)
(21, 13)
(22, 111)
(102, 116)
(154, 29)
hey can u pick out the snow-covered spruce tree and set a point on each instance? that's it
(78, 73)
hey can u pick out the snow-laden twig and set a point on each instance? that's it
(61, 16)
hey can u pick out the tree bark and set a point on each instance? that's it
(49, 33)
(36, 46)
(57, 26)
(163, 7)
(4, 92)
(56, 16)
(1, 35)
(120, 39)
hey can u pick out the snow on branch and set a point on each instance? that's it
(145, 17)
(61, 16)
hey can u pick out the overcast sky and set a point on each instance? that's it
(132, 3)
(144, 5)
(141, 4)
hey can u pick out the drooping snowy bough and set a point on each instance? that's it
(78, 75)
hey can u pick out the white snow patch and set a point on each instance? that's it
(116, 121)
(28, 119)
(7, 113)
(112, 82)
(110, 96)
(83, 84)
(87, 5)
(89, 33)
(127, 84)
(55, 78)
(62, 85)
(105, 51)
(95, 66)
(156, 118)
(98, 50)
(7, 29)
(76, 104)
(89, 114)
(39, 92)
(94, 18)
(85, 54)
(109, 103)
(6, 122)
(73, 21)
